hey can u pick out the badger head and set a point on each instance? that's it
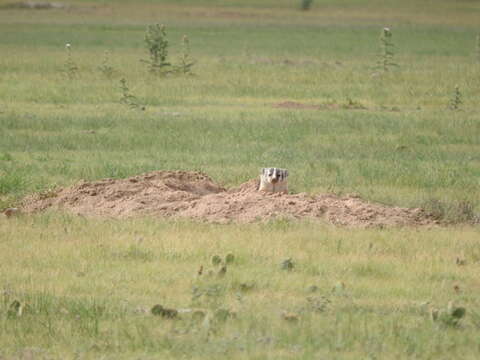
(274, 175)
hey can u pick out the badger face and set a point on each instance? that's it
(274, 175)
(273, 180)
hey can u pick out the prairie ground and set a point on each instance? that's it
(272, 86)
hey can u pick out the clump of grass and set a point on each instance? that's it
(287, 264)
(318, 304)
(6, 157)
(209, 295)
(450, 316)
(456, 99)
(12, 182)
(127, 98)
(229, 258)
(105, 67)
(351, 104)
(385, 61)
(223, 314)
(159, 310)
(216, 260)
(135, 253)
(70, 67)
(462, 211)
(157, 46)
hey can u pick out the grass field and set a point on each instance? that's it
(389, 137)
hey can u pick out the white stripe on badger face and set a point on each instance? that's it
(275, 175)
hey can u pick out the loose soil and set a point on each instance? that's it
(180, 194)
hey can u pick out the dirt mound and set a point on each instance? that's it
(194, 195)
(349, 105)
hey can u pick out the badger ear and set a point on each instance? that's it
(286, 172)
(262, 171)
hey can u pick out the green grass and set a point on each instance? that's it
(405, 157)
(86, 283)
(87, 295)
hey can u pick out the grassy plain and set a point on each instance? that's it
(86, 282)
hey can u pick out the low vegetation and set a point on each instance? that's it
(146, 288)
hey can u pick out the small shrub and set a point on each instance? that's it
(127, 98)
(456, 99)
(186, 62)
(157, 46)
(306, 4)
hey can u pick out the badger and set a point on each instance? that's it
(273, 180)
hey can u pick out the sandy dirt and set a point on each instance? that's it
(180, 194)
